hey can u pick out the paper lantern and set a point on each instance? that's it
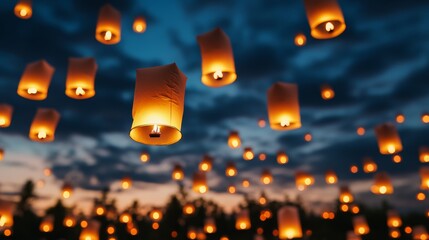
(354, 169)
(388, 139)
(394, 233)
(282, 158)
(155, 215)
(200, 183)
(328, 215)
(289, 223)
(283, 106)
(231, 170)
(331, 177)
(139, 25)
(369, 166)
(425, 117)
(192, 233)
(91, 232)
(400, 118)
(393, 219)
(355, 209)
(177, 174)
(424, 178)
(5, 115)
(231, 189)
(262, 123)
(188, 209)
(325, 18)
(382, 184)
(234, 140)
(44, 125)
(23, 9)
(420, 233)
(360, 225)
(126, 183)
(108, 30)
(6, 214)
(111, 229)
(424, 154)
(35, 80)
(262, 156)
(100, 210)
(245, 183)
(300, 40)
(80, 78)
(242, 220)
(360, 131)
(266, 177)
(345, 195)
(218, 67)
(47, 224)
(158, 105)
(303, 180)
(352, 236)
(1, 154)
(262, 199)
(69, 221)
(421, 196)
(144, 157)
(201, 235)
(248, 154)
(206, 164)
(67, 191)
(125, 217)
(327, 92)
(209, 225)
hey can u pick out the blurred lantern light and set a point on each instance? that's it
(308, 137)
(158, 105)
(83, 224)
(242, 220)
(382, 184)
(234, 140)
(369, 166)
(420, 233)
(192, 233)
(360, 225)
(66, 190)
(231, 189)
(231, 169)
(262, 156)
(282, 158)
(325, 18)
(91, 232)
(206, 164)
(47, 172)
(144, 157)
(424, 178)
(218, 67)
(125, 217)
(344, 207)
(353, 236)
(289, 223)
(245, 183)
(69, 221)
(178, 174)
(100, 210)
(266, 177)
(80, 78)
(248, 154)
(393, 219)
(23, 9)
(155, 215)
(201, 235)
(283, 106)
(1, 154)
(355, 209)
(44, 125)
(331, 177)
(47, 224)
(360, 131)
(108, 30)
(408, 230)
(424, 154)
(327, 92)
(400, 118)
(421, 196)
(209, 225)
(300, 39)
(139, 25)
(6, 111)
(35, 80)
(200, 183)
(188, 209)
(397, 158)
(126, 183)
(262, 199)
(388, 139)
(303, 180)
(262, 123)
(394, 233)
(6, 214)
(354, 169)
(425, 117)
(345, 195)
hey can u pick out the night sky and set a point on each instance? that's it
(378, 67)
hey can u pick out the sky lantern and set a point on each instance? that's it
(6, 111)
(369, 166)
(209, 225)
(44, 125)
(282, 158)
(354, 169)
(262, 123)
(69, 221)
(393, 219)
(394, 233)
(424, 154)
(283, 106)
(66, 190)
(245, 183)
(355, 209)
(360, 225)
(388, 139)
(177, 174)
(6, 214)
(108, 30)
(382, 184)
(353, 236)
(331, 177)
(188, 209)
(218, 67)
(289, 223)
(360, 131)
(266, 177)
(23, 9)
(81, 77)
(300, 39)
(424, 178)
(35, 80)
(158, 105)
(144, 157)
(248, 154)
(140, 24)
(126, 183)
(125, 217)
(47, 224)
(206, 164)
(420, 233)
(327, 92)
(234, 140)
(425, 117)
(262, 156)
(192, 233)
(325, 18)
(200, 182)
(155, 215)
(303, 180)
(263, 199)
(1, 154)
(231, 170)
(91, 232)
(242, 220)
(232, 189)
(400, 118)
(345, 195)
(100, 210)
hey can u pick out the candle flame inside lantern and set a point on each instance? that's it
(32, 90)
(391, 149)
(285, 123)
(66, 194)
(156, 131)
(23, 12)
(218, 75)
(2, 121)
(80, 91)
(41, 135)
(139, 28)
(3, 221)
(108, 36)
(202, 189)
(329, 27)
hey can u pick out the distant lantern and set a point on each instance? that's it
(421, 196)
(397, 158)
(248, 154)
(91, 232)
(262, 199)
(325, 18)
(177, 174)
(100, 210)
(218, 67)
(44, 125)
(420, 233)
(360, 225)
(210, 225)
(1, 154)
(355, 209)
(201, 235)
(369, 166)
(67, 191)
(188, 209)
(126, 183)
(283, 106)
(425, 117)
(139, 25)
(155, 215)
(300, 40)
(360, 131)
(81, 77)
(327, 92)
(353, 236)
(242, 220)
(262, 157)
(35, 80)
(424, 154)
(158, 105)
(231, 170)
(303, 180)
(388, 138)
(6, 214)
(231, 189)
(289, 223)
(234, 140)
(382, 184)
(200, 182)
(47, 224)
(393, 219)
(266, 177)
(400, 118)
(308, 137)
(192, 233)
(424, 178)
(69, 221)
(262, 123)
(245, 183)
(394, 233)
(282, 158)
(206, 164)
(23, 9)
(354, 169)
(345, 195)
(331, 177)
(108, 30)
(125, 217)
(144, 157)
(5, 115)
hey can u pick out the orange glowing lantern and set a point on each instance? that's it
(352, 236)
(126, 183)
(201, 235)
(266, 177)
(218, 67)
(1, 154)
(245, 183)
(327, 92)
(282, 158)
(262, 199)
(125, 217)
(155, 215)
(369, 166)
(144, 157)
(424, 178)
(262, 123)
(23, 9)
(420, 233)
(382, 184)
(283, 106)
(5, 115)
(360, 131)
(6, 214)
(209, 225)
(355, 209)
(325, 18)
(354, 169)
(289, 223)
(331, 177)
(108, 30)
(248, 154)
(425, 117)
(100, 210)
(400, 118)
(188, 209)
(345, 195)
(69, 221)
(177, 174)
(158, 105)
(231, 189)
(394, 233)
(139, 25)
(200, 183)
(388, 138)
(234, 140)
(67, 191)
(421, 196)
(91, 232)
(303, 180)
(262, 156)
(393, 219)
(360, 225)
(192, 233)
(424, 154)
(308, 137)
(231, 170)
(80, 78)
(35, 80)
(206, 164)
(397, 158)
(44, 125)
(47, 224)
(300, 40)
(242, 220)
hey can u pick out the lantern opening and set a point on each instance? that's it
(23, 12)
(285, 123)
(139, 28)
(218, 75)
(2, 122)
(32, 90)
(41, 135)
(80, 91)
(156, 132)
(329, 27)
(107, 35)
(391, 149)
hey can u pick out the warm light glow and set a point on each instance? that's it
(360, 131)
(83, 224)
(425, 118)
(7, 232)
(2, 121)
(218, 75)
(346, 199)
(243, 225)
(231, 172)
(125, 218)
(66, 194)
(99, 211)
(331, 180)
(134, 231)
(308, 137)
(32, 91)
(108, 36)
(248, 154)
(282, 158)
(355, 209)
(300, 40)
(231, 189)
(80, 91)
(139, 27)
(408, 230)
(202, 189)
(421, 196)
(266, 180)
(262, 123)
(188, 209)
(246, 183)
(354, 169)
(41, 135)
(344, 207)
(262, 156)
(400, 118)
(47, 172)
(397, 159)
(391, 149)
(329, 27)
(285, 123)
(69, 222)
(156, 131)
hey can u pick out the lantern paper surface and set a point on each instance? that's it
(139, 25)
(331, 177)
(108, 30)
(158, 105)
(6, 213)
(91, 232)
(200, 182)
(23, 9)
(283, 106)
(289, 223)
(382, 184)
(44, 125)
(388, 139)
(6, 111)
(325, 18)
(234, 140)
(35, 80)
(242, 221)
(81, 77)
(393, 219)
(360, 225)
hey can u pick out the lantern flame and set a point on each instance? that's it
(285, 123)
(329, 27)
(41, 135)
(66, 194)
(218, 75)
(32, 90)
(202, 189)
(23, 12)
(80, 91)
(391, 149)
(156, 131)
(3, 221)
(139, 28)
(2, 121)
(108, 36)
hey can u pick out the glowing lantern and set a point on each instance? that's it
(188, 209)
(126, 183)
(382, 184)
(218, 68)
(328, 215)
(192, 233)
(345, 195)
(47, 172)
(234, 140)
(262, 123)
(424, 154)
(201, 235)
(5, 115)
(424, 178)
(108, 30)
(327, 92)
(100, 210)
(369, 166)
(177, 174)
(111, 229)
(245, 183)
(144, 157)
(352, 236)
(83, 224)
(308, 137)
(206, 164)
(67, 191)
(231, 189)
(209, 225)
(394, 233)
(289, 223)
(303, 180)
(231, 170)
(420, 233)
(300, 40)
(425, 117)
(388, 139)
(69, 221)
(248, 154)
(23, 9)
(200, 182)
(262, 199)
(354, 169)
(6, 214)
(1, 154)
(155, 215)
(331, 177)
(242, 220)
(408, 230)
(421, 196)
(283, 106)
(400, 118)
(91, 232)
(44, 125)
(360, 225)
(47, 224)
(80, 78)
(393, 219)
(158, 105)
(397, 158)
(266, 177)
(139, 25)
(282, 158)
(125, 217)
(35, 80)
(355, 209)
(360, 131)
(325, 18)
